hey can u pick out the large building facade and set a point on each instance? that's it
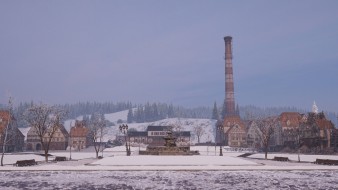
(312, 131)
(59, 140)
(154, 136)
(80, 136)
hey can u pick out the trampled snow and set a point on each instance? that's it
(116, 159)
(206, 171)
(169, 180)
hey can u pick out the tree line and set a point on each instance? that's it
(149, 112)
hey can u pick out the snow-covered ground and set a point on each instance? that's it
(116, 159)
(205, 171)
(294, 157)
(169, 180)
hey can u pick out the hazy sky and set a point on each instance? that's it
(285, 52)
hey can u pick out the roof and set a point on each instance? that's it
(63, 130)
(319, 120)
(242, 129)
(235, 120)
(324, 123)
(158, 128)
(4, 118)
(137, 133)
(290, 119)
(79, 130)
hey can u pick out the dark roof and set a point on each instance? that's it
(158, 128)
(145, 133)
(137, 133)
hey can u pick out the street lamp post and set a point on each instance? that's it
(124, 130)
(221, 131)
(70, 150)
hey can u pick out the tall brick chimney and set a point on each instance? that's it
(229, 81)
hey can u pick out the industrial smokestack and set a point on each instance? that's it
(229, 81)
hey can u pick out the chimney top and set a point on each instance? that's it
(227, 38)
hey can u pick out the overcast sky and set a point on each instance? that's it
(285, 52)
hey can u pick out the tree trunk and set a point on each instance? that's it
(97, 149)
(4, 144)
(198, 139)
(266, 151)
(97, 153)
(2, 158)
(3, 150)
(46, 155)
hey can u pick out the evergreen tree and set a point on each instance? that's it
(223, 110)
(215, 114)
(130, 116)
(155, 115)
(171, 112)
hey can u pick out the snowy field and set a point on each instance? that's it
(205, 171)
(169, 180)
(116, 159)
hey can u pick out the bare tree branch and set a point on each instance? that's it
(97, 130)
(45, 121)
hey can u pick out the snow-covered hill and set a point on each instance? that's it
(187, 124)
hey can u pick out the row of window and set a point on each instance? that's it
(54, 139)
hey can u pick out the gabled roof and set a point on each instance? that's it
(231, 120)
(323, 123)
(79, 130)
(290, 119)
(63, 130)
(237, 127)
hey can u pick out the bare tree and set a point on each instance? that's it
(45, 121)
(199, 131)
(177, 129)
(266, 127)
(9, 131)
(97, 130)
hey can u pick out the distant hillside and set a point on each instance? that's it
(187, 124)
(149, 112)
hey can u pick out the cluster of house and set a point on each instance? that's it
(78, 138)
(311, 132)
(291, 130)
(16, 141)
